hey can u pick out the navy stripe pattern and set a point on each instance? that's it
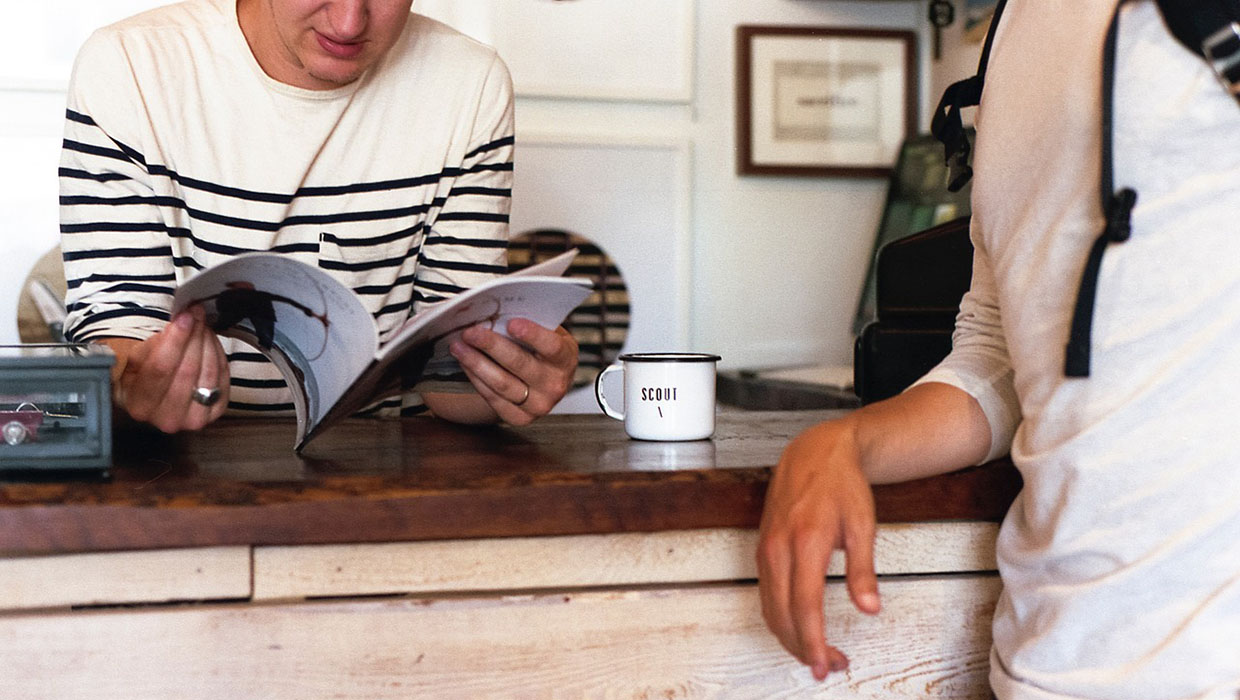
(146, 202)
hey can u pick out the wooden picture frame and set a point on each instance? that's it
(823, 101)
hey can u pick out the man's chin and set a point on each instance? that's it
(336, 78)
(331, 81)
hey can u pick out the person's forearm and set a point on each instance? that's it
(469, 409)
(930, 429)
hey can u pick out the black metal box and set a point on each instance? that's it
(921, 279)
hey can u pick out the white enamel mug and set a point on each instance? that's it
(667, 395)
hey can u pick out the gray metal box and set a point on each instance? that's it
(55, 407)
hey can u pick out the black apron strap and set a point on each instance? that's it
(1209, 28)
(947, 126)
(1117, 208)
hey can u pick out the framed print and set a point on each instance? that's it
(823, 101)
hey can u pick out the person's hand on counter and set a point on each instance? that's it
(175, 380)
(820, 500)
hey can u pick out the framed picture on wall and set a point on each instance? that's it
(823, 101)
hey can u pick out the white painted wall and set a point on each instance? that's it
(31, 123)
(777, 263)
(34, 67)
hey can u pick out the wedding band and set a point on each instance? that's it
(525, 397)
(204, 396)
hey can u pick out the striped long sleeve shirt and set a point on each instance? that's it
(180, 152)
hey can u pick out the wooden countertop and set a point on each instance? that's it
(239, 482)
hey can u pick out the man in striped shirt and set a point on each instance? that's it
(353, 135)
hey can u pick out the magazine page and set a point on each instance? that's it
(551, 267)
(545, 300)
(311, 326)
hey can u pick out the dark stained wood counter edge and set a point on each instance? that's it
(384, 507)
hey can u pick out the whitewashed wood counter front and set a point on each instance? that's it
(614, 613)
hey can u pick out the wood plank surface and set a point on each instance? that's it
(212, 573)
(240, 483)
(931, 641)
(282, 573)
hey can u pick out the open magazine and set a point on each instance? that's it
(325, 343)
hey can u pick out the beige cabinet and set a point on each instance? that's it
(658, 615)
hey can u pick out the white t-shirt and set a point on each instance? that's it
(1121, 557)
(181, 152)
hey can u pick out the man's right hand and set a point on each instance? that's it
(818, 501)
(154, 379)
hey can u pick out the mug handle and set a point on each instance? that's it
(598, 392)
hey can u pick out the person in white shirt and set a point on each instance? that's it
(1120, 557)
(353, 135)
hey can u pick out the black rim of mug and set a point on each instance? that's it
(668, 357)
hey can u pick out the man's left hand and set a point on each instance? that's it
(518, 384)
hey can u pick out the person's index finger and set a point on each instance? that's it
(808, 578)
(189, 369)
(545, 342)
(493, 344)
(163, 353)
(496, 360)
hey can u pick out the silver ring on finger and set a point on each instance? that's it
(206, 396)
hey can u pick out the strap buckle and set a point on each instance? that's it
(948, 128)
(1119, 215)
(1222, 50)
